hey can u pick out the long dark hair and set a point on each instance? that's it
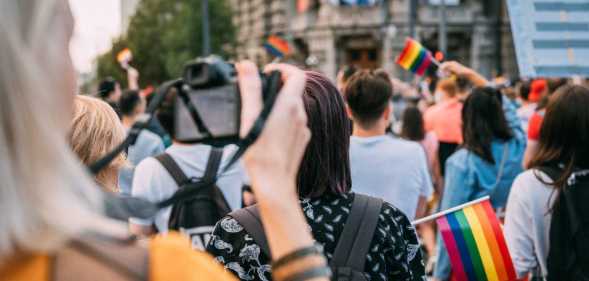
(564, 135)
(326, 164)
(413, 128)
(483, 121)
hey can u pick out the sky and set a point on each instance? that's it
(97, 23)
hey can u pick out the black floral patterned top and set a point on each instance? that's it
(394, 255)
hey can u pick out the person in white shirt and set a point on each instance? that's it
(153, 182)
(382, 165)
(528, 218)
(148, 144)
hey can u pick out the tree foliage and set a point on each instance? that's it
(165, 34)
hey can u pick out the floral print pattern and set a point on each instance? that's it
(394, 252)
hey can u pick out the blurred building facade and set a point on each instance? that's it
(329, 36)
(128, 9)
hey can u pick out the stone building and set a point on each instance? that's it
(329, 36)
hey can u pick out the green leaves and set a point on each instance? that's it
(164, 34)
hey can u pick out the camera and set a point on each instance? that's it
(208, 103)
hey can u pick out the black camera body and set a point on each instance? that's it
(208, 104)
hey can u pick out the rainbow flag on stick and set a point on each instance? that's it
(277, 46)
(415, 57)
(475, 243)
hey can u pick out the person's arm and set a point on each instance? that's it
(531, 150)
(426, 185)
(460, 70)
(132, 78)
(518, 221)
(272, 164)
(421, 207)
(513, 121)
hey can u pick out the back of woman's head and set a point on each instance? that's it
(325, 166)
(413, 128)
(483, 121)
(45, 195)
(564, 135)
(96, 130)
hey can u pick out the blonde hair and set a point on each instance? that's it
(46, 196)
(96, 130)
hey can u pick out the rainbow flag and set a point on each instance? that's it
(415, 57)
(475, 244)
(277, 46)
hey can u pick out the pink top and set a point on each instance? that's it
(430, 145)
(445, 119)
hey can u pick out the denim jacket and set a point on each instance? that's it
(469, 177)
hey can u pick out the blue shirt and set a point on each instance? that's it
(390, 168)
(469, 177)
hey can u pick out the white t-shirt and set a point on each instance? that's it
(153, 182)
(527, 222)
(390, 168)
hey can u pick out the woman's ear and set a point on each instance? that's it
(349, 112)
(388, 111)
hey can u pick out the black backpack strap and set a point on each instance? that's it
(215, 156)
(354, 242)
(173, 169)
(251, 221)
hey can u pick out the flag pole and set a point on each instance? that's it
(445, 212)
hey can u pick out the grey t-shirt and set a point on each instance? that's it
(392, 169)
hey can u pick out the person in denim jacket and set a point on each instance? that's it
(490, 157)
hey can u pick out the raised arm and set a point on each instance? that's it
(272, 163)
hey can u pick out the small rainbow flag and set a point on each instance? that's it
(415, 57)
(277, 46)
(475, 244)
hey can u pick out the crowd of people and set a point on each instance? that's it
(328, 190)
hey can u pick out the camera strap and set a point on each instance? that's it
(272, 88)
(136, 129)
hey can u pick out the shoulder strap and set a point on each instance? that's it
(355, 240)
(249, 218)
(213, 164)
(173, 169)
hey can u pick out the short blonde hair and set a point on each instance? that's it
(95, 131)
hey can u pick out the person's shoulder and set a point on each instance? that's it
(151, 137)
(148, 164)
(460, 157)
(531, 179)
(172, 258)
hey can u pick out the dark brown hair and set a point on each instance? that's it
(413, 128)
(326, 165)
(483, 121)
(368, 95)
(564, 135)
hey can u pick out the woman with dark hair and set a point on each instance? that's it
(323, 184)
(563, 143)
(488, 160)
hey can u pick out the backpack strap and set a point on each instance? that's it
(354, 242)
(213, 163)
(249, 218)
(173, 169)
